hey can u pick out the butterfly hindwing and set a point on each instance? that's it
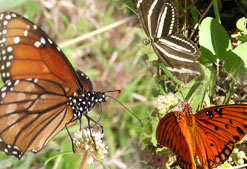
(85, 81)
(31, 117)
(219, 129)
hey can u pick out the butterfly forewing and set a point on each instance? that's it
(24, 43)
(158, 17)
(172, 133)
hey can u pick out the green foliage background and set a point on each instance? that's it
(115, 58)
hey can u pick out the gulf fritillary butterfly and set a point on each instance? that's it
(210, 134)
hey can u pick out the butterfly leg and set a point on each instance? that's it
(89, 126)
(80, 124)
(70, 134)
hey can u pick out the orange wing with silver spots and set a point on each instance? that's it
(211, 134)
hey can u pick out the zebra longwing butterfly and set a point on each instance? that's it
(159, 20)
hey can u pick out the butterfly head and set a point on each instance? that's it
(82, 103)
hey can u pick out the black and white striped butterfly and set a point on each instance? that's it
(159, 20)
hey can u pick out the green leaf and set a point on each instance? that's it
(214, 38)
(152, 57)
(241, 52)
(241, 24)
(236, 59)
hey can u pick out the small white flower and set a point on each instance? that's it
(165, 103)
(84, 144)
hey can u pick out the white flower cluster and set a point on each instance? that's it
(167, 102)
(237, 156)
(83, 143)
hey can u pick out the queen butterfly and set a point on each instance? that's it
(42, 93)
(159, 20)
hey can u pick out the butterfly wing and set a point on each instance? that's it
(173, 133)
(218, 129)
(160, 22)
(158, 18)
(31, 112)
(179, 54)
(85, 81)
(28, 52)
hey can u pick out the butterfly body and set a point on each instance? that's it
(210, 134)
(159, 20)
(82, 103)
(42, 92)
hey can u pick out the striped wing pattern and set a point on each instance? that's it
(159, 19)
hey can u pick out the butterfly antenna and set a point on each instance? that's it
(125, 107)
(113, 91)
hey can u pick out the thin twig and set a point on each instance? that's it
(96, 32)
(201, 18)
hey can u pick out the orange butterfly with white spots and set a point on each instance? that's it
(42, 93)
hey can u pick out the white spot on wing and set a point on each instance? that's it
(4, 31)
(8, 64)
(16, 39)
(35, 27)
(5, 22)
(11, 57)
(3, 94)
(25, 33)
(9, 49)
(16, 82)
(42, 40)
(37, 44)
(50, 41)
(8, 17)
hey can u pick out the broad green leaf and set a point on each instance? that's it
(236, 59)
(242, 23)
(214, 38)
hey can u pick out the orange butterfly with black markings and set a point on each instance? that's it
(210, 134)
(42, 93)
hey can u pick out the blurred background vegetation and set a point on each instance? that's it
(111, 52)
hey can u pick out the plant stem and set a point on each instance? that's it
(84, 160)
(216, 11)
(96, 32)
